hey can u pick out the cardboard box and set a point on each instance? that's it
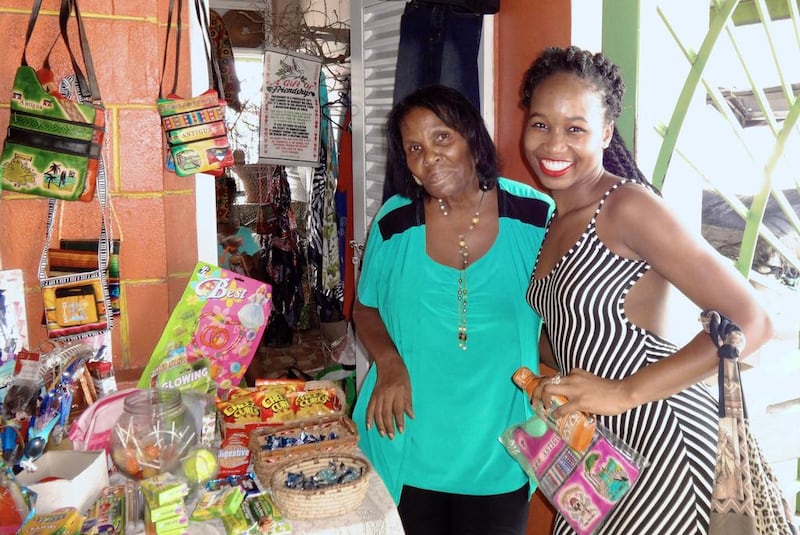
(82, 476)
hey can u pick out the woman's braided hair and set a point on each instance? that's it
(606, 79)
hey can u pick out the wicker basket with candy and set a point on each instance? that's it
(274, 446)
(320, 486)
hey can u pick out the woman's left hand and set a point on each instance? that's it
(588, 393)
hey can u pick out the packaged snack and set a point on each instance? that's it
(63, 521)
(109, 512)
(218, 503)
(239, 524)
(246, 408)
(174, 525)
(168, 525)
(246, 481)
(262, 509)
(163, 489)
(165, 512)
(234, 456)
(312, 403)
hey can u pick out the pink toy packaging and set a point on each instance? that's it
(583, 486)
(212, 334)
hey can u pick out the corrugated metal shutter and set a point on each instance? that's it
(374, 38)
(375, 35)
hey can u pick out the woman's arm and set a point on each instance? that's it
(391, 398)
(643, 225)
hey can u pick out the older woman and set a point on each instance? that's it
(441, 310)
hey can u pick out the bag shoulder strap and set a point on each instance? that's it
(730, 341)
(37, 6)
(88, 83)
(179, 14)
(214, 74)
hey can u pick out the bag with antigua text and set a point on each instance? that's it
(195, 130)
(54, 143)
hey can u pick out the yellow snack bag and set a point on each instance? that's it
(63, 521)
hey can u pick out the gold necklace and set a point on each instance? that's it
(463, 250)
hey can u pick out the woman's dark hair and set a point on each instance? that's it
(606, 78)
(458, 113)
(596, 69)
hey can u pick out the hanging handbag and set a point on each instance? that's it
(195, 130)
(746, 498)
(53, 144)
(78, 305)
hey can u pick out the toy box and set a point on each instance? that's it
(213, 333)
(67, 479)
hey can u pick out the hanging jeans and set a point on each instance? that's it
(438, 45)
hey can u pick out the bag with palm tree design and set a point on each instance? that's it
(53, 145)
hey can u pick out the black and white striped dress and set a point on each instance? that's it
(582, 304)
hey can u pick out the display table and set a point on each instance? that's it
(376, 515)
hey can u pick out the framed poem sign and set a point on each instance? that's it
(290, 109)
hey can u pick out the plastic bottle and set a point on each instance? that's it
(577, 429)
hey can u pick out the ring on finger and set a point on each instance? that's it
(556, 379)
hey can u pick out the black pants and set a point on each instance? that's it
(426, 512)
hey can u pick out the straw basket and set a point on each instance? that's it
(319, 503)
(266, 462)
(255, 176)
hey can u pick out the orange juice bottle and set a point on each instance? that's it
(576, 428)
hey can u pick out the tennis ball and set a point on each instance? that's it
(200, 465)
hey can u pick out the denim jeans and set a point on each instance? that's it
(438, 45)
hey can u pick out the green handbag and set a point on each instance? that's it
(53, 145)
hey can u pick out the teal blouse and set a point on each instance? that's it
(463, 399)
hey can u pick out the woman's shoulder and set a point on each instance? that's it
(397, 215)
(630, 198)
(525, 203)
(633, 213)
(521, 189)
(390, 205)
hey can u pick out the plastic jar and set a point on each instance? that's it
(152, 434)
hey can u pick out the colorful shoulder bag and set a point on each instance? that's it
(53, 145)
(195, 130)
(78, 305)
(746, 498)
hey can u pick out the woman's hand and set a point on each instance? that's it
(584, 392)
(391, 398)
